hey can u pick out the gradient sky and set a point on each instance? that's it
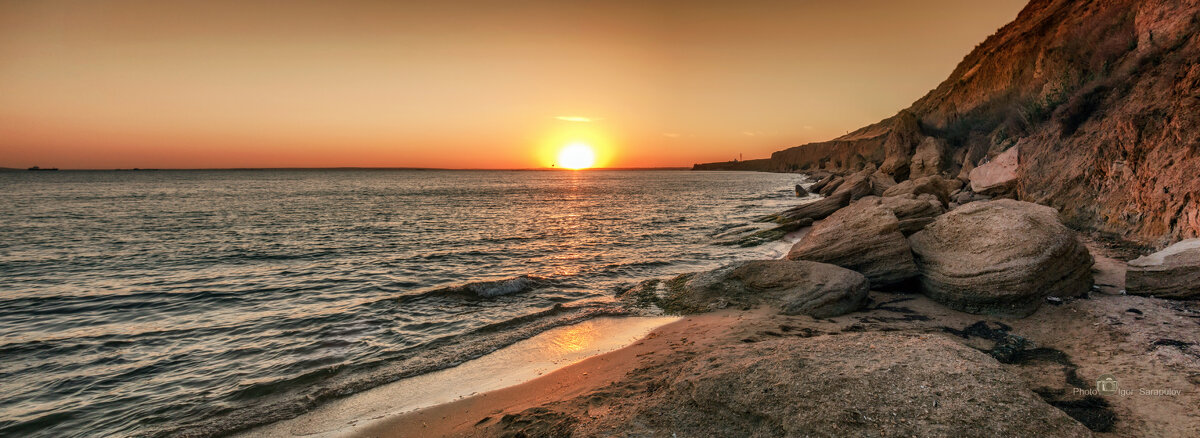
(495, 84)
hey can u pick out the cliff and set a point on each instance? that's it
(1101, 97)
(761, 165)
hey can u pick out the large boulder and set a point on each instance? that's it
(873, 384)
(998, 176)
(1000, 257)
(1171, 273)
(929, 158)
(864, 237)
(797, 287)
(934, 185)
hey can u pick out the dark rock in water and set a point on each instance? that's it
(797, 287)
(1171, 273)
(1000, 257)
(800, 192)
(934, 185)
(864, 237)
(818, 209)
(854, 384)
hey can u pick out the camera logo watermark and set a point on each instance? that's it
(1107, 385)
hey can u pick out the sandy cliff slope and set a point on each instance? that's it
(1102, 97)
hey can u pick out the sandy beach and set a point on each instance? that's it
(518, 363)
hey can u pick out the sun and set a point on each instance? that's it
(576, 156)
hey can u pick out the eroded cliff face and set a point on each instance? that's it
(1102, 97)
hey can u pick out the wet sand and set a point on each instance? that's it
(521, 362)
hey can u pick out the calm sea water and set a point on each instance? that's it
(203, 302)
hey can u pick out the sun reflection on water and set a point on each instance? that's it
(574, 338)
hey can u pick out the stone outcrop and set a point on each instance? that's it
(998, 176)
(1171, 273)
(796, 287)
(1000, 257)
(832, 186)
(854, 384)
(814, 210)
(821, 183)
(933, 185)
(857, 184)
(881, 182)
(1100, 99)
(929, 158)
(864, 237)
(912, 212)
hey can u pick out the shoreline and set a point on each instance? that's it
(514, 365)
(1086, 334)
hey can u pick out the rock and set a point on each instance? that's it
(912, 213)
(1000, 257)
(858, 184)
(864, 237)
(880, 182)
(884, 384)
(821, 183)
(773, 234)
(953, 184)
(797, 287)
(813, 210)
(997, 176)
(1171, 273)
(800, 192)
(934, 185)
(966, 197)
(928, 159)
(832, 186)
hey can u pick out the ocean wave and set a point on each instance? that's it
(487, 288)
(292, 396)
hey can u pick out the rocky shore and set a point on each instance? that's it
(893, 315)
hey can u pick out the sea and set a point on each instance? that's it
(201, 303)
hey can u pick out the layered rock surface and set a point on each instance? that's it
(1000, 257)
(796, 287)
(997, 176)
(864, 237)
(858, 384)
(1171, 273)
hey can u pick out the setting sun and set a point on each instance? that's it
(576, 156)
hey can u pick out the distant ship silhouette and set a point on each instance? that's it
(35, 168)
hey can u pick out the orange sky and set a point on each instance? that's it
(495, 84)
